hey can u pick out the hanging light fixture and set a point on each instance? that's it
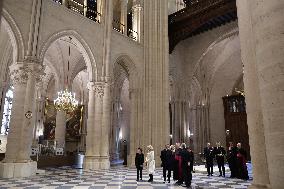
(66, 100)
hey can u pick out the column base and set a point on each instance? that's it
(259, 186)
(96, 162)
(131, 161)
(18, 170)
(92, 162)
(104, 163)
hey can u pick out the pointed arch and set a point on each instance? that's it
(129, 67)
(15, 35)
(82, 46)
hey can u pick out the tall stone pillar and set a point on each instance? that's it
(134, 131)
(60, 129)
(137, 20)
(114, 130)
(252, 92)
(266, 41)
(156, 76)
(99, 10)
(38, 115)
(85, 7)
(94, 126)
(17, 162)
(123, 16)
(104, 150)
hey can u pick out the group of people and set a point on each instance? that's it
(176, 159)
(236, 157)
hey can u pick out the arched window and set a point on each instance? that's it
(7, 111)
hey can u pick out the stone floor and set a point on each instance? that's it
(116, 177)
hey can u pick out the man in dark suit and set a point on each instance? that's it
(187, 165)
(139, 161)
(165, 158)
(209, 156)
(220, 158)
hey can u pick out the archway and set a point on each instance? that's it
(70, 65)
(124, 108)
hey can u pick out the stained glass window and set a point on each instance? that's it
(7, 111)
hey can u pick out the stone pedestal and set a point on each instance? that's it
(18, 170)
(104, 162)
(131, 160)
(92, 162)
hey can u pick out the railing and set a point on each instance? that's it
(192, 7)
(88, 11)
(91, 13)
(119, 27)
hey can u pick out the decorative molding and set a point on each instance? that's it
(20, 72)
(97, 87)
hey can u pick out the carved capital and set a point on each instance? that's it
(97, 87)
(20, 72)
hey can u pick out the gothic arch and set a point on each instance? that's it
(15, 35)
(129, 67)
(82, 45)
(211, 47)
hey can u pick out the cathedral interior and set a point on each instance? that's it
(84, 83)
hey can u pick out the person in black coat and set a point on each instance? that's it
(209, 156)
(163, 157)
(220, 158)
(167, 161)
(232, 159)
(187, 165)
(139, 160)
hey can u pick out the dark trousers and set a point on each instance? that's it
(233, 167)
(209, 165)
(165, 170)
(187, 176)
(139, 173)
(221, 167)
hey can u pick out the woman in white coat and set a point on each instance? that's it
(150, 162)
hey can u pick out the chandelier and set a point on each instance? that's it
(66, 100)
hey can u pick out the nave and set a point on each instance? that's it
(118, 177)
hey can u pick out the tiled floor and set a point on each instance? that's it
(117, 177)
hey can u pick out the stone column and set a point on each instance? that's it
(252, 92)
(104, 150)
(123, 16)
(137, 20)
(38, 115)
(17, 162)
(85, 7)
(114, 130)
(266, 34)
(94, 126)
(134, 131)
(99, 10)
(60, 129)
(156, 76)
